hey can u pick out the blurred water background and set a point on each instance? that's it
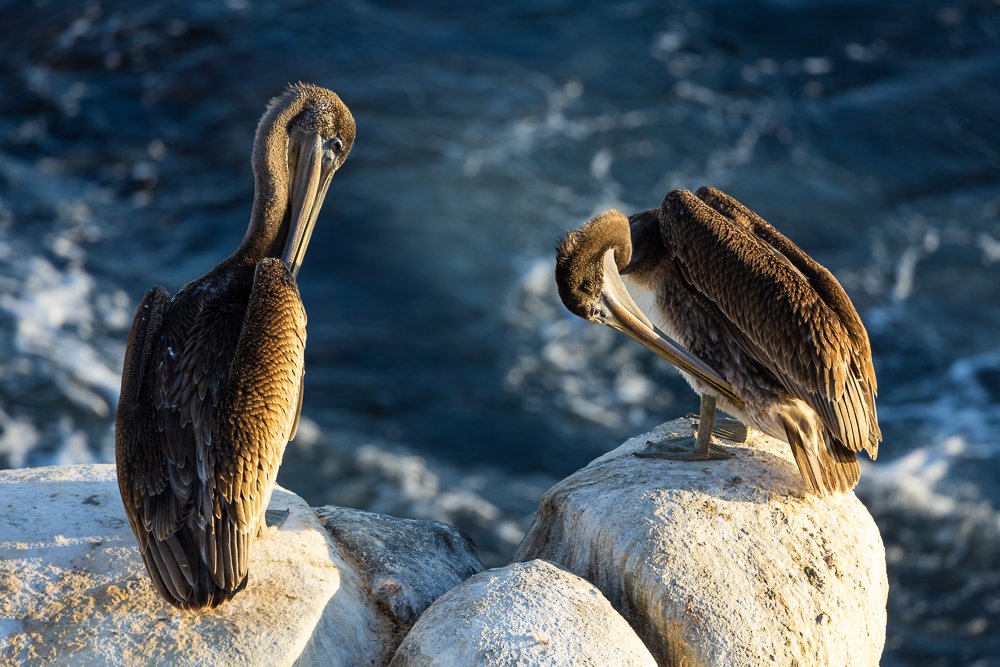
(444, 379)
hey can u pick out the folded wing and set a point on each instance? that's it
(784, 309)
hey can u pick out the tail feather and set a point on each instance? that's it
(826, 465)
(182, 577)
(875, 436)
(168, 570)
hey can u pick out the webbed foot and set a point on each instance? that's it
(683, 449)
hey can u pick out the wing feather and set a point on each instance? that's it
(142, 473)
(255, 414)
(830, 291)
(769, 299)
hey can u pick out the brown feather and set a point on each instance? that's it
(787, 325)
(829, 290)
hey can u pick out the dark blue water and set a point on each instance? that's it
(444, 378)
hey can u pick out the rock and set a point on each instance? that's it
(73, 588)
(532, 614)
(71, 572)
(405, 564)
(722, 562)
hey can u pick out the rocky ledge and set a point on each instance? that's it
(73, 589)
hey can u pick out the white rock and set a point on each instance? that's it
(73, 589)
(526, 614)
(721, 562)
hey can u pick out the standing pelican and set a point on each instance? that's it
(212, 384)
(755, 325)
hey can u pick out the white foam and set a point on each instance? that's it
(56, 321)
(62, 331)
(916, 476)
(494, 507)
(589, 371)
(18, 436)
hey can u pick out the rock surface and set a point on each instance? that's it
(405, 564)
(721, 562)
(527, 614)
(73, 589)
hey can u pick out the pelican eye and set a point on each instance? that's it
(331, 148)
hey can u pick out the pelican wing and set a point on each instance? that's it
(143, 470)
(195, 352)
(257, 410)
(826, 286)
(768, 300)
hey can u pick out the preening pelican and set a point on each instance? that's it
(212, 382)
(754, 324)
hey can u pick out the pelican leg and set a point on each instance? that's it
(690, 448)
(725, 428)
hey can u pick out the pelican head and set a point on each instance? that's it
(589, 264)
(304, 137)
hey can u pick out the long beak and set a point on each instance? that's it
(310, 180)
(626, 316)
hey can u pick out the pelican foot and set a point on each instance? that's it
(683, 449)
(724, 428)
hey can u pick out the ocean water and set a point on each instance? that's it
(444, 378)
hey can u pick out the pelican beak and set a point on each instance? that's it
(311, 169)
(624, 315)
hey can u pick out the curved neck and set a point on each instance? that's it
(266, 233)
(607, 231)
(647, 247)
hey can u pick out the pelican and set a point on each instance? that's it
(756, 326)
(212, 380)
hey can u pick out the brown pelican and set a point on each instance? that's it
(754, 324)
(212, 383)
